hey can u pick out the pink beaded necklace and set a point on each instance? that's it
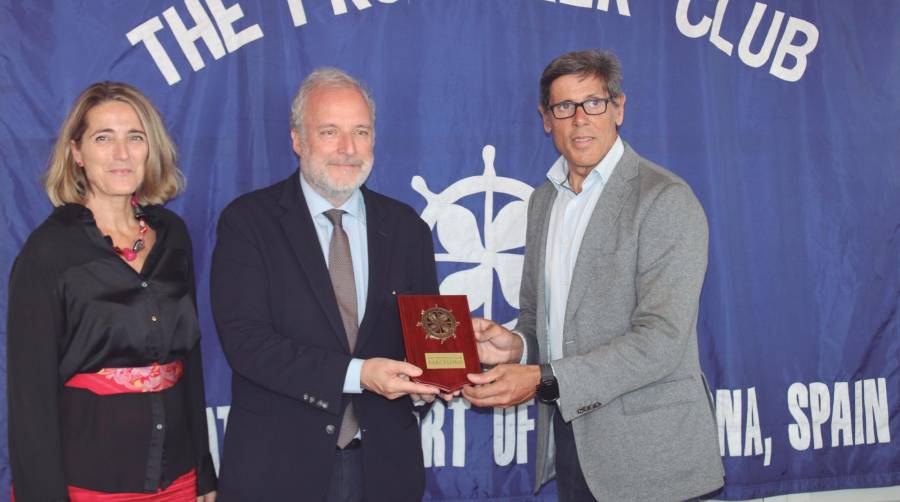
(131, 254)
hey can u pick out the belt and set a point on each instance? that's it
(154, 378)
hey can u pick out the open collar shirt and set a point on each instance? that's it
(569, 218)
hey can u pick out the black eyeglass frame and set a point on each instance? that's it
(553, 108)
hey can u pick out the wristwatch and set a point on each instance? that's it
(548, 389)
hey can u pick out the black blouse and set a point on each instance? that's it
(76, 307)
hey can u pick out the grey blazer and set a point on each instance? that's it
(630, 380)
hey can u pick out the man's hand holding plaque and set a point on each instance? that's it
(438, 336)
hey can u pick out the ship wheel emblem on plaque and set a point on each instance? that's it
(438, 323)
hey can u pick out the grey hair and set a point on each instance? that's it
(326, 77)
(590, 63)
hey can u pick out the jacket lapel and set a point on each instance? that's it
(597, 234)
(301, 233)
(543, 206)
(380, 255)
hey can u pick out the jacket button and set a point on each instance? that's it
(329, 429)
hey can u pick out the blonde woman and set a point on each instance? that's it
(106, 397)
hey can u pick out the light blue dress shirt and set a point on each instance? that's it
(568, 220)
(354, 223)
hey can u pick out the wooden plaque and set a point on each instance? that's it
(438, 336)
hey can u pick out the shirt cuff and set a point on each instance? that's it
(524, 358)
(352, 384)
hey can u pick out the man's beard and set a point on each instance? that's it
(316, 174)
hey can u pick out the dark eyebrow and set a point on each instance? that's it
(589, 96)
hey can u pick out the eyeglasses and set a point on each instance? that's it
(592, 106)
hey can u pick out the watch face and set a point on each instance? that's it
(548, 390)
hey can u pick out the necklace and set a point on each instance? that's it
(131, 254)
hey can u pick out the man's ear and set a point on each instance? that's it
(296, 142)
(545, 117)
(620, 110)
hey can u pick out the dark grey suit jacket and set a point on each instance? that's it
(280, 328)
(630, 380)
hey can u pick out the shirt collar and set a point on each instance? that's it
(77, 213)
(354, 206)
(559, 171)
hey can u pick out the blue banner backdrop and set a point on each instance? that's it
(783, 115)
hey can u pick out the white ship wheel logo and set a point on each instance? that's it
(457, 231)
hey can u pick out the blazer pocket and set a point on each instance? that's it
(660, 395)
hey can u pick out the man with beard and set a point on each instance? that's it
(303, 281)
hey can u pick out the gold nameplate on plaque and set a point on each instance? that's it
(444, 360)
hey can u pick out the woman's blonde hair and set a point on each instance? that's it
(65, 180)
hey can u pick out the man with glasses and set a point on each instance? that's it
(606, 336)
